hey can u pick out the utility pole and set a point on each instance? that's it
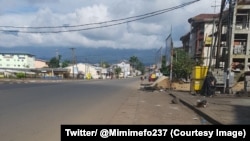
(73, 61)
(215, 6)
(58, 58)
(214, 40)
(57, 54)
(211, 47)
(229, 32)
(217, 64)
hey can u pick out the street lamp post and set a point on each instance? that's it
(73, 61)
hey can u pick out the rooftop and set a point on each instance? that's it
(203, 18)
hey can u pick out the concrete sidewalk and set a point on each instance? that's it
(225, 109)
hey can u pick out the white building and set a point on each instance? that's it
(89, 71)
(17, 60)
(125, 67)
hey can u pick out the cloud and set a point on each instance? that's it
(145, 28)
(144, 34)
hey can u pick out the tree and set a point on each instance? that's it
(182, 64)
(141, 67)
(164, 69)
(117, 70)
(137, 64)
(133, 61)
(54, 63)
(65, 63)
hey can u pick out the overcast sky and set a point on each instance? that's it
(142, 34)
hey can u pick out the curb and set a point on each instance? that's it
(196, 110)
(29, 81)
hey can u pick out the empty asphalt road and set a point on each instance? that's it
(35, 111)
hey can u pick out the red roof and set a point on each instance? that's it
(203, 18)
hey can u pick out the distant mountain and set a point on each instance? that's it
(90, 55)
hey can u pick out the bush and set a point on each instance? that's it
(20, 75)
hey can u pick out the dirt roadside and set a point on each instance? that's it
(147, 107)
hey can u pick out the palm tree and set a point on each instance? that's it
(134, 62)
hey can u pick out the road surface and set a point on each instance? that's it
(35, 111)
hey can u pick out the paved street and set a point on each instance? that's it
(34, 111)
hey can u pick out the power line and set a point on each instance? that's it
(122, 19)
(119, 21)
(155, 12)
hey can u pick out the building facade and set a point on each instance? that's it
(199, 41)
(17, 60)
(125, 68)
(240, 37)
(40, 64)
(87, 70)
(222, 48)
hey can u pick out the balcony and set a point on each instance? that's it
(241, 26)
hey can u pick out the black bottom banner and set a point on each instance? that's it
(158, 132)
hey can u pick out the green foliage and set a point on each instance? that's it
(20, 75)
(137, 64)
(182, 64)
(65, 63)
(141, 67)
(118, 70)
(54, 62)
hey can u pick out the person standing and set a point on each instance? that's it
(209, 85)
(142, 78)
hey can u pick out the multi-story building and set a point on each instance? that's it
(240, 37)
(17, 61)
(226, 49)
(199, 41)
